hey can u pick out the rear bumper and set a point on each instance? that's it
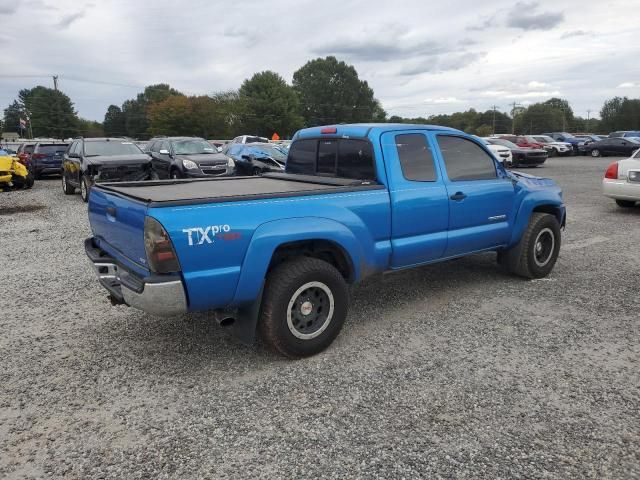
(43, 169)
(621, 190)
(158, 295)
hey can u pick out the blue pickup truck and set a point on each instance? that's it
(276, 253)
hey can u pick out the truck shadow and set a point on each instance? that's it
(196, 341)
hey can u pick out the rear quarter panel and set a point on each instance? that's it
(227, 266)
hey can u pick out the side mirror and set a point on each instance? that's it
(73, 155)
(164, 151)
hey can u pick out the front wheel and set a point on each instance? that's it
(304, 306)
(552, 152)
(595, 153)
(256, 171)
(67, 188)
(537, 252)
(85, 187)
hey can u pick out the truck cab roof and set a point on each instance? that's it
(363, 130)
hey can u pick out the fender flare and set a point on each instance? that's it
(532, 201)
(269, 236)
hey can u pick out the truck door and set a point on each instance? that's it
(480, 200)
(419, 202)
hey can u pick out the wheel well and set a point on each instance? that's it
(326, 250)
(551, 210)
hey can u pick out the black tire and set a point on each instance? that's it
(626, 203)
(283, 321)
(595, 152)
(29, 181)
(85, 188)
(552, 152)
(537, 252)
(67, 188)
(154, 175)
(256, 171)
(175, 174)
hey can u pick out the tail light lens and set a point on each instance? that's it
(612, 171)
(160, 253)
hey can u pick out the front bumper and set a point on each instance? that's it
(162, 295)
(209, 171)
(621, 189)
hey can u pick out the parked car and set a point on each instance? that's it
(552, 146)
(587, 138)
(618, 146)
(257, 158)
(522, 157)
(24, 153)
(523, 141)
(46, 158)
(622, 181)
(625, 133)
(503, 154)
(567, 138)
(13, 174)
(181, 157)
(249, 139)
(279, 251)
(89, 161)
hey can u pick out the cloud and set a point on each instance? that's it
(533, 84)
(8, 7)
(442, 63)
(484, 24)
(443, 100)
(628, 85)
(67, 20)
(379, 50)
(522, 15)
(573, 33)
(510, 94)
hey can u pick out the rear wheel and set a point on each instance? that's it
(67, 188)
(595, 152)
(537, 252)
(85, 187)
(552, 152)
(255, 171)
(626, 203)
(304, 306)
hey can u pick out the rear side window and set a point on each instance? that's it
(52, 149)
(464, 160)
(416, 159)
(355, 160)
(302, 157)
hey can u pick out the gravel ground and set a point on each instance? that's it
(452, 370)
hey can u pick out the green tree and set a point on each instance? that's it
(114, 122)
(134, 110)
(331, 92)
(90, 128)
(172, 116)
(484, 130)
(12, 115)
(620, 113)
(270, 105)
(50, 112)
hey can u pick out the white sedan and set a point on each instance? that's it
(622, 181)
(502, 153)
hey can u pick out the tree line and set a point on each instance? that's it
(323, 91)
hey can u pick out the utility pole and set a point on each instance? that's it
(494, 120)
(513, 118)
(55, 82)
(588, 117)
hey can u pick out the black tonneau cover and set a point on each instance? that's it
(188, 191)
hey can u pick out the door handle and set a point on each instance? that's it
(111, 212)
(458, 196)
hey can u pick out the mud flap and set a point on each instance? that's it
(245, 326)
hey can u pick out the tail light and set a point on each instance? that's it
(612, 171)
(160, 253)
(328, 130)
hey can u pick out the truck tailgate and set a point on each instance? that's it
(118, 227)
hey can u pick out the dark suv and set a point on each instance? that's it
(46, 158)
(180, 157)
(91, 160)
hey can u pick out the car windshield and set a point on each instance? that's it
(192, 147)
(544, 139)
(633, 139)
(4, 153)
(566, 135)
(255, 139)
(52, 149)
(110, 147)
(269, 151)
(504, 143)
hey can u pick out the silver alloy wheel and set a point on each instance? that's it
(310, 310)
(595, 152)
(544, 246)
(83, 189)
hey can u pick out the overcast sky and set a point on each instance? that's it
(421, 58)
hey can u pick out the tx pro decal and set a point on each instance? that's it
(202, 235)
